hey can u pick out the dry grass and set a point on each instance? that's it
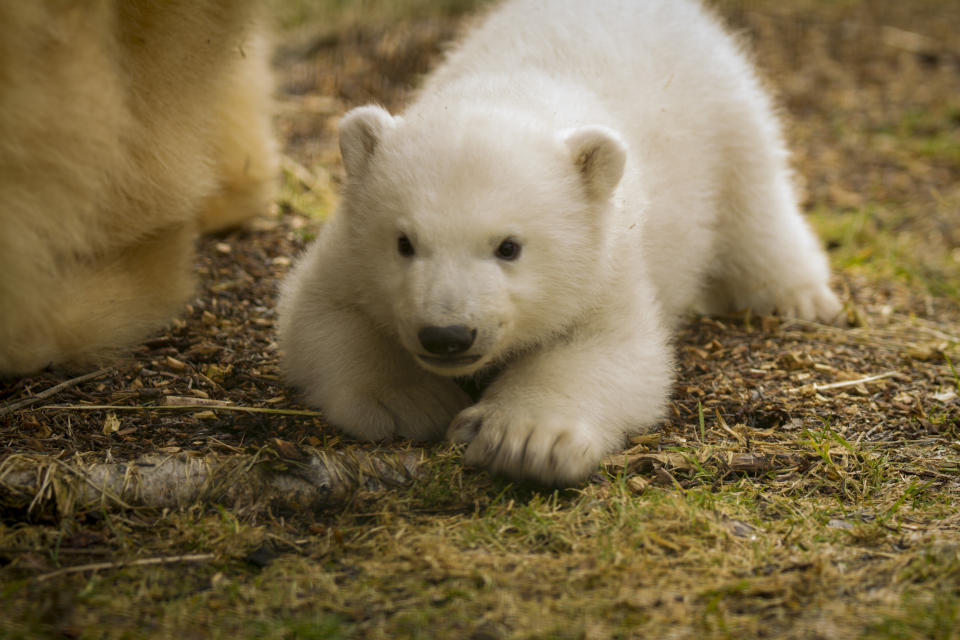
(805, 486)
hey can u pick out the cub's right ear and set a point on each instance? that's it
(599, 156)
(360, 133)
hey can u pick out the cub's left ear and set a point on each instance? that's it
(599, 155)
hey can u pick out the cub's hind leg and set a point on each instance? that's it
(767, 257)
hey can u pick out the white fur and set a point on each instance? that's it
(630, 150)
(126, 126)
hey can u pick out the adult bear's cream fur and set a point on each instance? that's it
(126, 126)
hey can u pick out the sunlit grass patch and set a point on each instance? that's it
(930, 134)
(308, 192)
(869, 241)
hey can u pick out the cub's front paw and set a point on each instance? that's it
(419, 410)
(540, 444)
(811, 302)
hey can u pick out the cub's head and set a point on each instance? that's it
(476, 237)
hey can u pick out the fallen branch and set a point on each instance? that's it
(52, 391)
(143, 562)
(258, 481)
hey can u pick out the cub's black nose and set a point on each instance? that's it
(447, 341)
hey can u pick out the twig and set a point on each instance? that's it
(143, 562)
(815, 388)
(739, 437)
(853, 383)
(723, 425)
(52, 391)
(178, 407)
(87, 551)
(187, 401)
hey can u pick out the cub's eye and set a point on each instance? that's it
(509, 249)
(405, 247)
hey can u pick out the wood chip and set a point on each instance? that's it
(176, 365)
(111, 424)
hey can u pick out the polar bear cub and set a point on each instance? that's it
(573, 178)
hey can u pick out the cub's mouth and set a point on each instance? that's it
(448, 362)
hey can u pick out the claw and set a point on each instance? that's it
(523, 450)
(464, 427)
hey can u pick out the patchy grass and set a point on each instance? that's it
(805, 485)
(866, 242)
(737, 558)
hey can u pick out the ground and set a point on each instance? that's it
(806, 484)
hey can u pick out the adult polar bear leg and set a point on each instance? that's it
(243, 144)
(555, 414)
(767, 257)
